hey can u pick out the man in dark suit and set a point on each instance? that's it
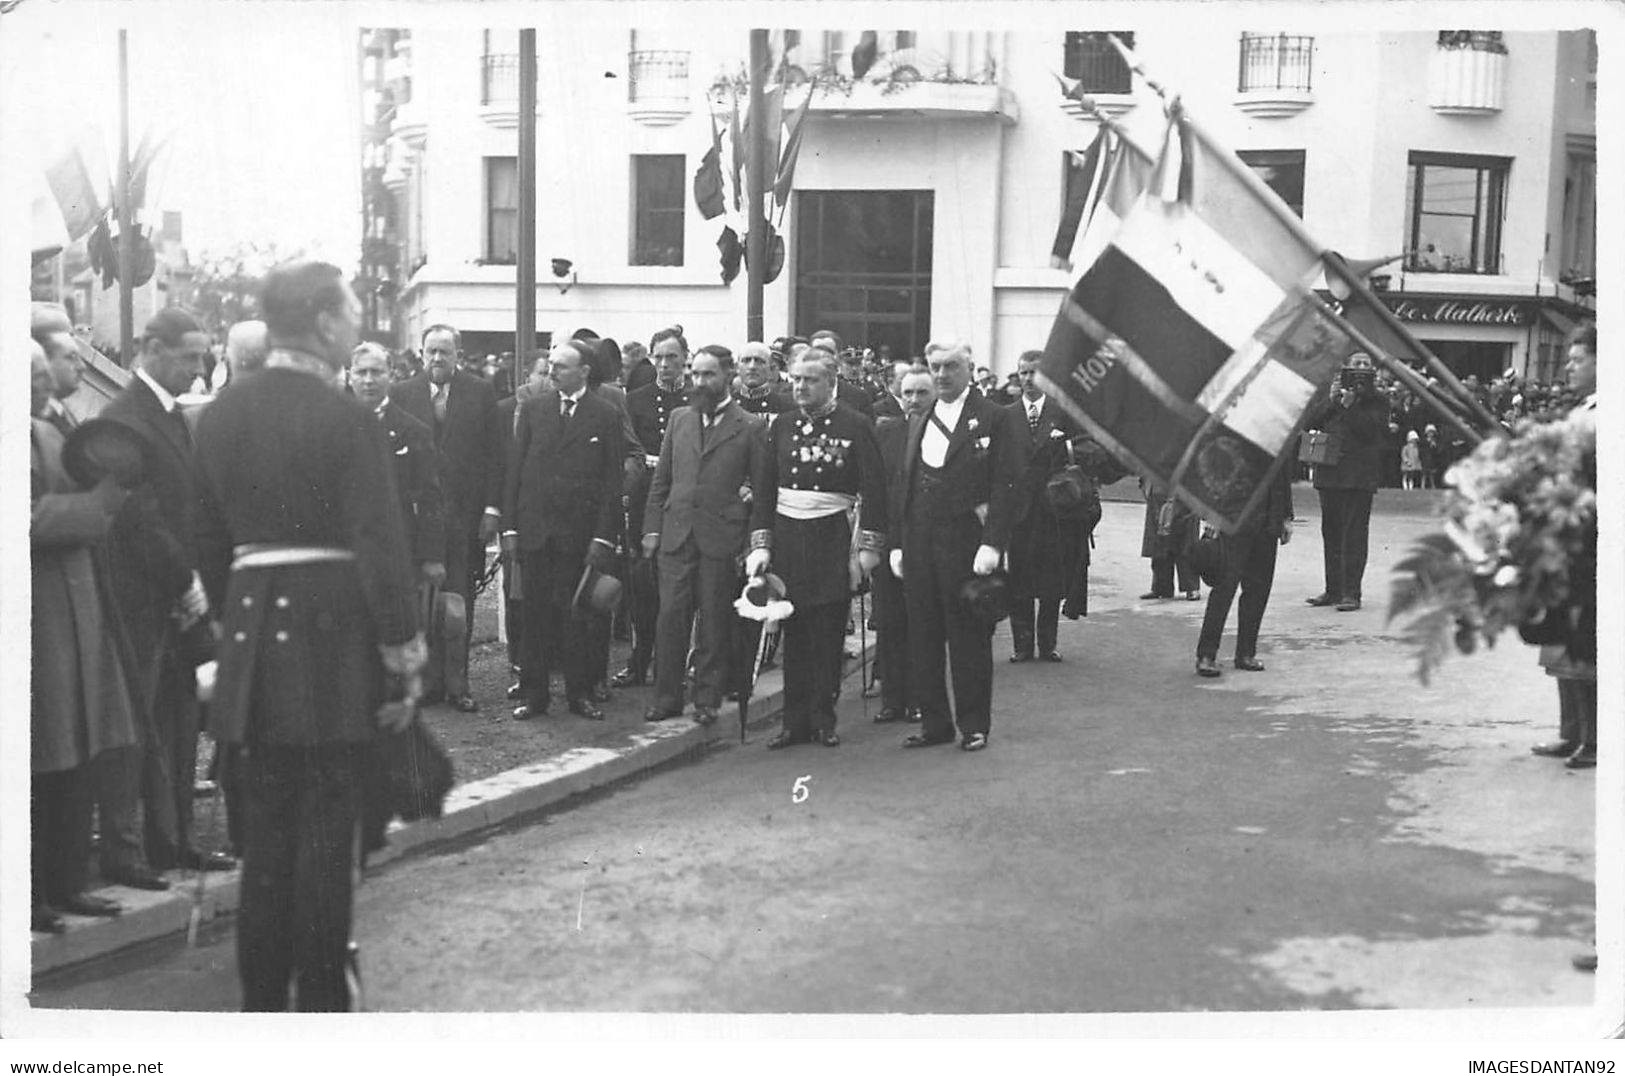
(1249, 559)
(563, 509)
(303, 549)
(1044, 551)
(891, 612)
(415, 463)
(458, 407)
(1356, 422)
(697, 519)
(890, 403)
(157, 590)
(956, 509)
(651, 408)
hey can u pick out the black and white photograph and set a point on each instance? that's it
(639, 525)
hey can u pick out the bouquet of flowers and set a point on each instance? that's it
(1518, 548)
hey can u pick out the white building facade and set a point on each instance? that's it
(928, 192)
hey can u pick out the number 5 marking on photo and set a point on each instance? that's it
(799, 791)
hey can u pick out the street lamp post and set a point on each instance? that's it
(756, 181)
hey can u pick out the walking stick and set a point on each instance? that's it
(863, 653)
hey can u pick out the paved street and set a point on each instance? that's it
(1327, 834)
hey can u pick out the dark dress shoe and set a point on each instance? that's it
(516, 691)
(888, 715)
(193, 860)
(1249, 664)
(1193, 595)
(785, 738)
(1050, 656)
(464, 703)
(136, 877)
(534, 708)
(586, 708)
(974, 741)
(1583, 759)
(1322, 600)
(1348, 605)
(599, 693)
(920, 739)
(1152, 595)
(1018, 657)
(87, 904)
(45, 921)
(661, 713)
(826, 737)
(1207, 667)
(627, 677)
(705, 715)
(1555, 749)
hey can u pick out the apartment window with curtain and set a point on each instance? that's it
(1281, 170)
(501, 210)
(1579, 219)
(1454, 208)
(657, 209)
(1090, 57)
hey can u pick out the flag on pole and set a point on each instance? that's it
(783, 182)
(1087, 169)
(708, 178)
(69, 176)
(1193, 343)
(738, 170)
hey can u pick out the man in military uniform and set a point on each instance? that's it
(822, 461)
(651, 408)
(756, 389)
(301, 546)
(956, 507)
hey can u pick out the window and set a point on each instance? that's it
(1090, 58)
(1579, 251)
(1275, 62)
(1453, 210)
(657, 209)
(1281, 170)
(499, 68)
(501, 210)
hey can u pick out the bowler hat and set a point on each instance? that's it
(102, 447)
(987, 597)
(596, 593)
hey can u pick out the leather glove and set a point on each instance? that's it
(987, 560)
(433, 571)
(651, 544)
(490, 525)
(896, 560)
(599, 553)
(757, 561)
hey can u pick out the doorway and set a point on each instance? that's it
(863, 267)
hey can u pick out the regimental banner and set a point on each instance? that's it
(1192, 346)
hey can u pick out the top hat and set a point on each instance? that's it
(987, 597)
(764, 598)
(102, 447)
(596, 593)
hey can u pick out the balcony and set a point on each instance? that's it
(657, 87)
(499, 90)
(411, 125)
(1101, 73)
(930, 75)
(1275, 77)
(1467, 73)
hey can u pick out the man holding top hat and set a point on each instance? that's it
(563, 507)
(697, 520)
(822, 459)
(956, 506)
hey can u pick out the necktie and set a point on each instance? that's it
(179, 420)
(440, 394)
(569, 407)
(1032, 418)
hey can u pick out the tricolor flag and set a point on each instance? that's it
(1125, 175)
(1193, 344)
(708, 178)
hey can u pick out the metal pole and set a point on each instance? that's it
(756, 181)
(525, 295)
(126, 226)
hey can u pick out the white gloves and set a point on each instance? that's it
(868, 561)
(756, 561)
(987, 560)
(896, 560)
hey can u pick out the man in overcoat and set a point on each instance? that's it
(458, 407)
(413, 459)
(697, 520)
(304, 553)
(563, 510)
(1356, 423)
(956, 507)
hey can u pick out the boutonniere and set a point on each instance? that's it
(983, 442)
(1057, 435)
(972, 424)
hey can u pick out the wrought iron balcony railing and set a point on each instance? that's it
(499, 78)
(1276, 62)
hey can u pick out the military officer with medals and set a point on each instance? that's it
(755, 388)
(651, 408)
(822, 461)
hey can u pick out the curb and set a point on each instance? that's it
(470, 808)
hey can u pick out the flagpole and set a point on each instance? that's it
(756, 186)
(525, 269)
(1333, 265)
(126, 229)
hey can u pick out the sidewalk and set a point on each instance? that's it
(544, 763)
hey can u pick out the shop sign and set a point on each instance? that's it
(1464, 311)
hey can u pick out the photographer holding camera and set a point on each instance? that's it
(1355, 420)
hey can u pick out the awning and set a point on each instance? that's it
(1562, 323)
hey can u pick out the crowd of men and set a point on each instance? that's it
(320, 528)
